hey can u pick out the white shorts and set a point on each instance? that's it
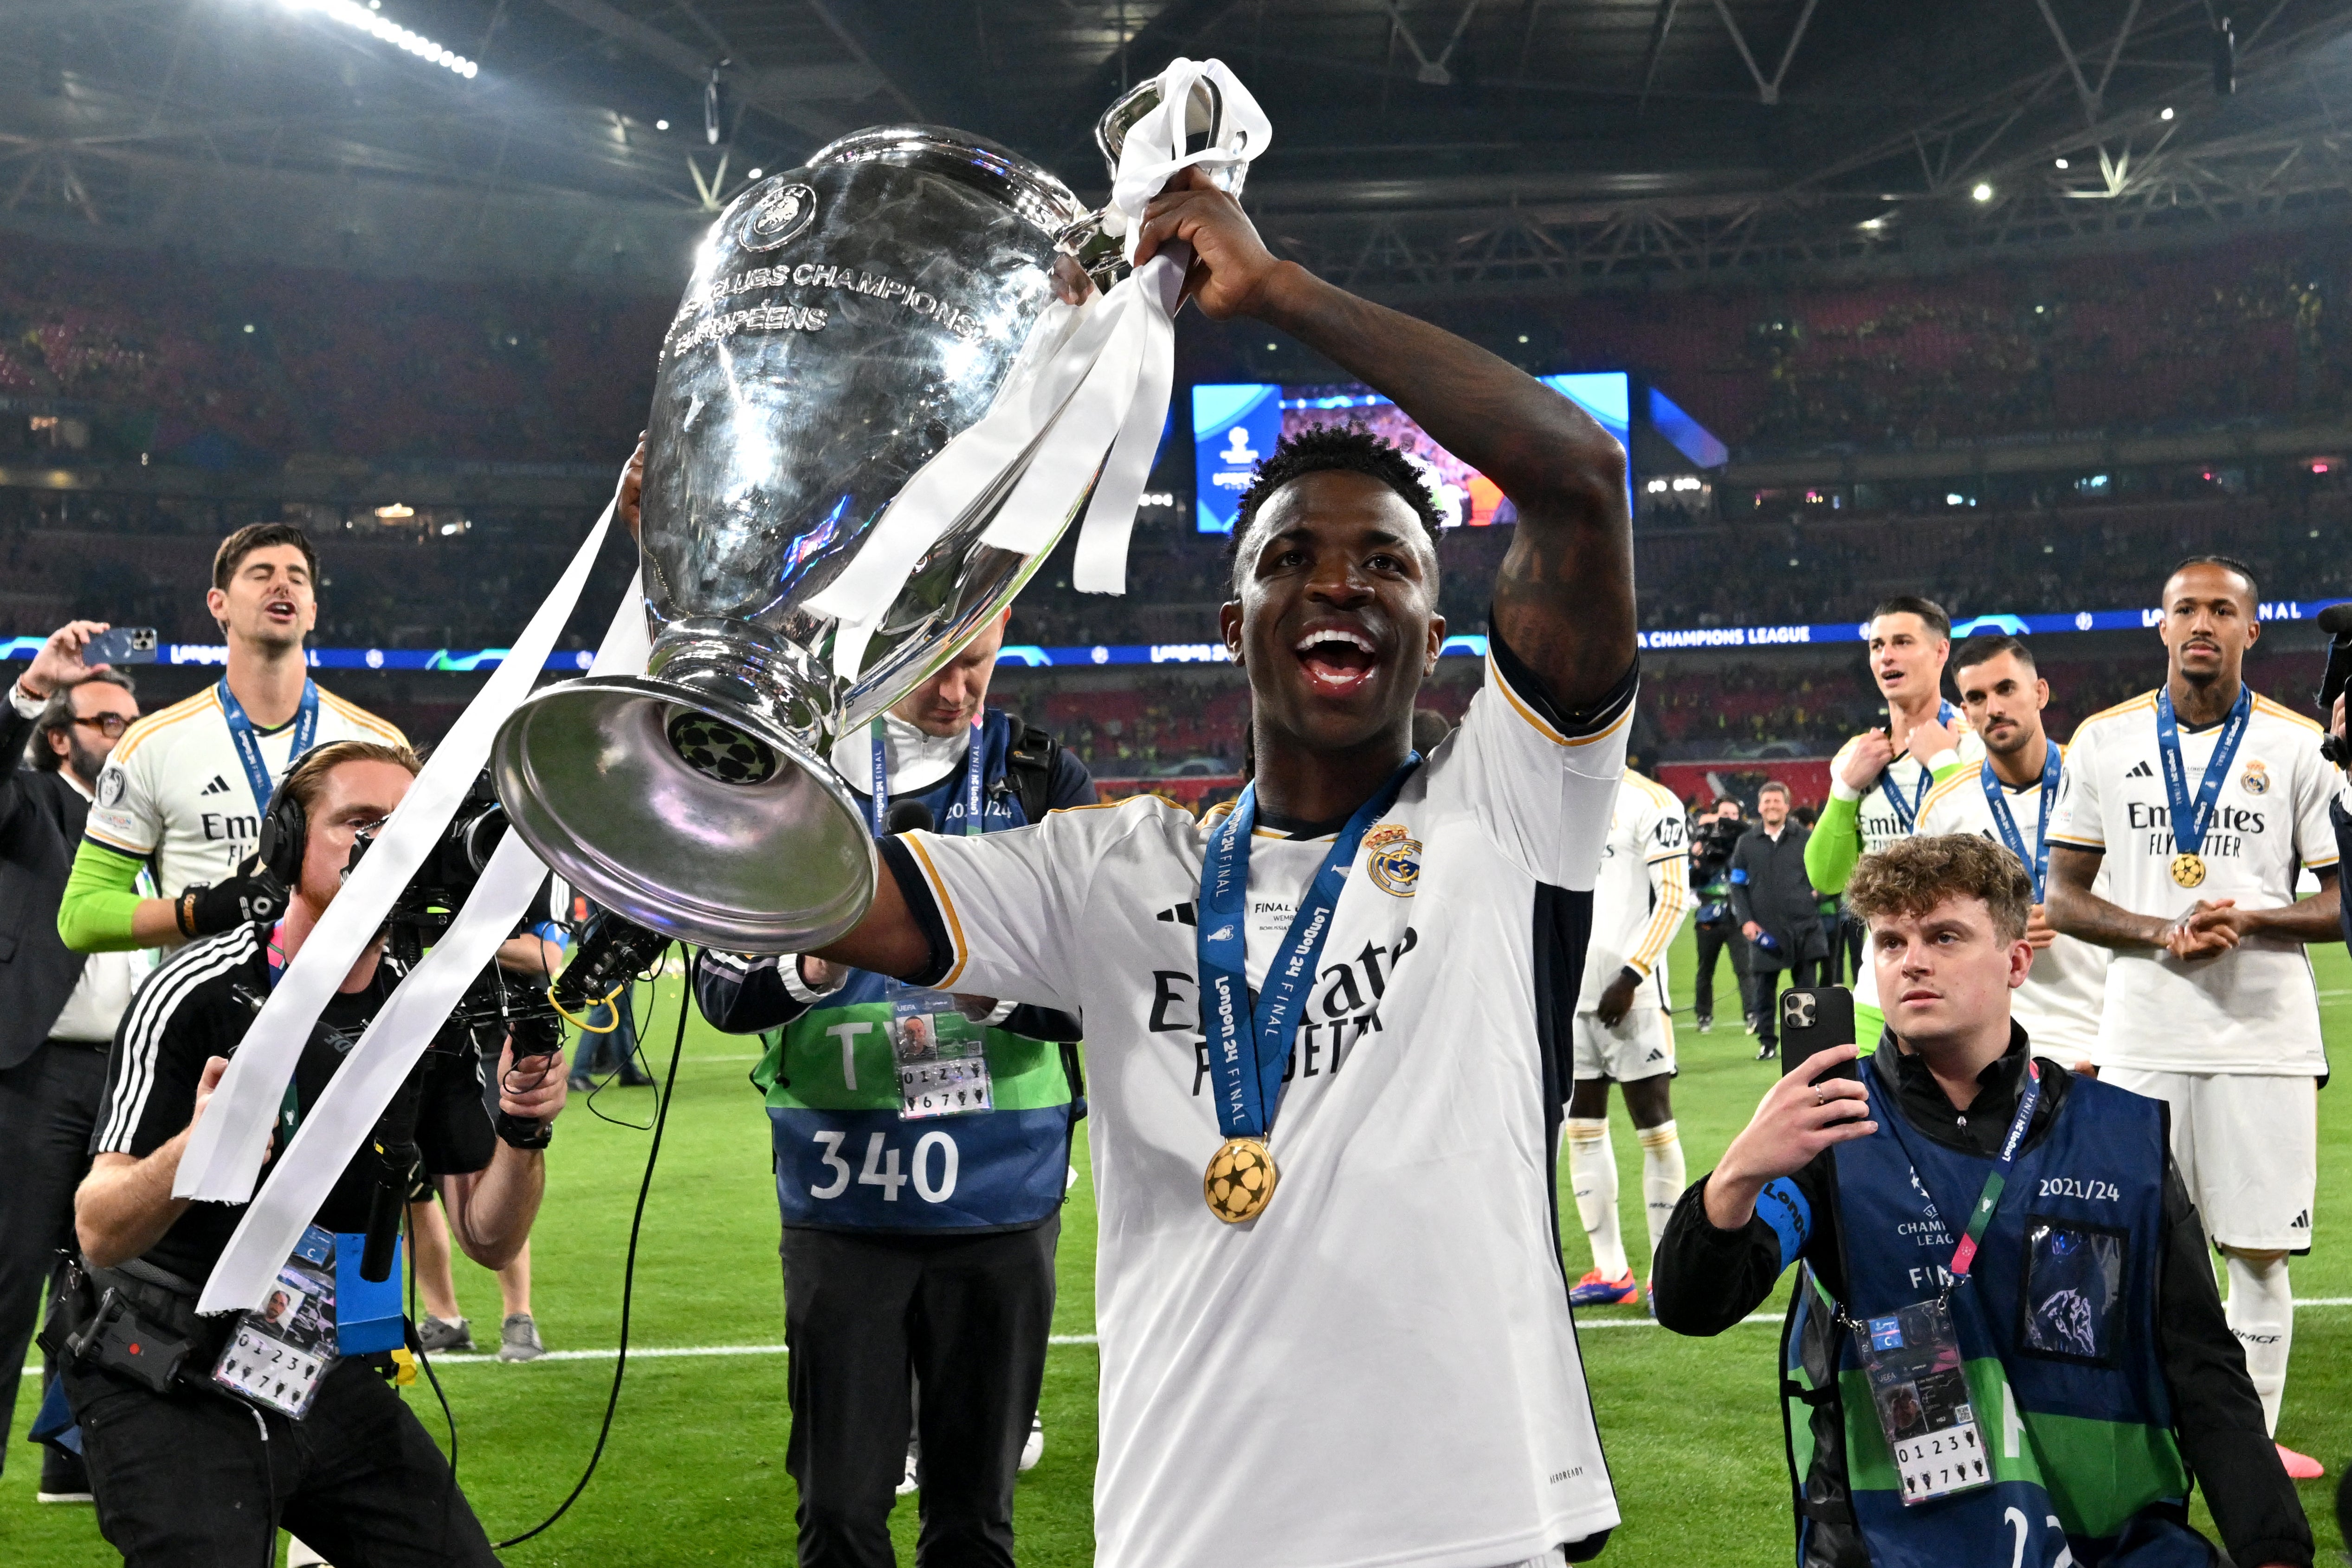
(2248, 1149)
(1641, 1046)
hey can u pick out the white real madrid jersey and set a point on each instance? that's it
(1880, 826)
(2062, 999)
(1640, 894)
(174, 792)
(2253, 1010)
(1380, 1369)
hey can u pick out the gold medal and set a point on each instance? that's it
(2189, 870)
(1239, 1180)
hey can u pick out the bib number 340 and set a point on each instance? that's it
(929, 1168)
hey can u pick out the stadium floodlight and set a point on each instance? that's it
(661, 125)
(2061, 162)
(1983, 192)
(2167, 113)
(351, 13)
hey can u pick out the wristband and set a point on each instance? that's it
(1842, 790)
(183, 910)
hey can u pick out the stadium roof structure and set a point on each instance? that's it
(1424, 148)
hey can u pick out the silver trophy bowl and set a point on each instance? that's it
(846, 319)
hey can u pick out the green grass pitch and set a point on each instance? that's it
(695, 1470)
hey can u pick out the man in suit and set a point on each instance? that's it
(1778, 912)
(58, 1008)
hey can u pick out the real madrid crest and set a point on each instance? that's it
(2255, 779)
(1392, 858)
(780, 215)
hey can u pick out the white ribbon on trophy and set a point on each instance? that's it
(1100, 385)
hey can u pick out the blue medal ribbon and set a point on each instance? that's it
(1998, 798)
(973, 764)
(247, 740)
(1246, 1062)
(1907, 811)
(2189, 820)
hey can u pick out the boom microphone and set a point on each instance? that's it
(914, 817)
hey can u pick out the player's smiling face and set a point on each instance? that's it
(271, 600)
(1944, 976)
(2209, 621)
(1337, 617)
(1906, 657)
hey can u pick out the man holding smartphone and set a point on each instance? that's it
(1773, 899)
(2053, 1370)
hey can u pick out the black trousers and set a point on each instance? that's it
(1804, 972)
(187, 1481)
(48, 1104)
(1723, 939)
(865, 1316)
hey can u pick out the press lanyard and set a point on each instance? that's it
(975, 759)
(290, 1109)
(1907, 811)
(2190, 821)
(1964, 1255)
(1998, 798)
(1248, 1064)
(242, 735)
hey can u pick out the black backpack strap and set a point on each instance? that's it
(1029, 769)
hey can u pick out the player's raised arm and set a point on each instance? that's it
(1564, 597)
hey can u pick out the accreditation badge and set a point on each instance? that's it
(1912, 1359)
(942, 1056)
(279, 1354)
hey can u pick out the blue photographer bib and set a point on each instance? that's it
(2056, 1325)
(846, 1157)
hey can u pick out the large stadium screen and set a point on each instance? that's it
(1237, 424)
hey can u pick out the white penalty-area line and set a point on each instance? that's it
(664, 1352)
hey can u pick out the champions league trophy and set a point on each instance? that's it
(846, 320)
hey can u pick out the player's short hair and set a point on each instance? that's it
(57, 714)
(1985, 649)
(1937, 619)
(308, 780)
(1324, 449)
(1774, 787)
(1914, 875)
(260, 536)
(2227, 563)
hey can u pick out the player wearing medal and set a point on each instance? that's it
(2009, 797)
(2004, 1345)
(920, 1197)
(2198, 801)
(1625, 1028)
(1372, 1360)
(184, 793)
(1880, 779)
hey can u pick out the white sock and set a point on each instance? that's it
(2260, 1310)
(1592, 1169)
(1663, 1176)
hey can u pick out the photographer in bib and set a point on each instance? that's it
(2197, 803)
(2006, 1344)
(922, 1143)
(203, 1436)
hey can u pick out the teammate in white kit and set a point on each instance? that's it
(1625, 1028)
(1372, 1363)
(2009, 797)
(1880, 779)
(2201, 800)
(184, 792)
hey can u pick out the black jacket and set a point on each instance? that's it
(1711, 848)
(1768, 886)
(41, 819)
(1707, 1279)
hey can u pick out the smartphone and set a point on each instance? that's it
(123, 646)
(1816, 1017)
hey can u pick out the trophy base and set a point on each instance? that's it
(687, 813)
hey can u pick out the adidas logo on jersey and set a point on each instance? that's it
(1183, 915)
(2140, 769)
(219, 786)
(1655, 1055)
(2301, 1221)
